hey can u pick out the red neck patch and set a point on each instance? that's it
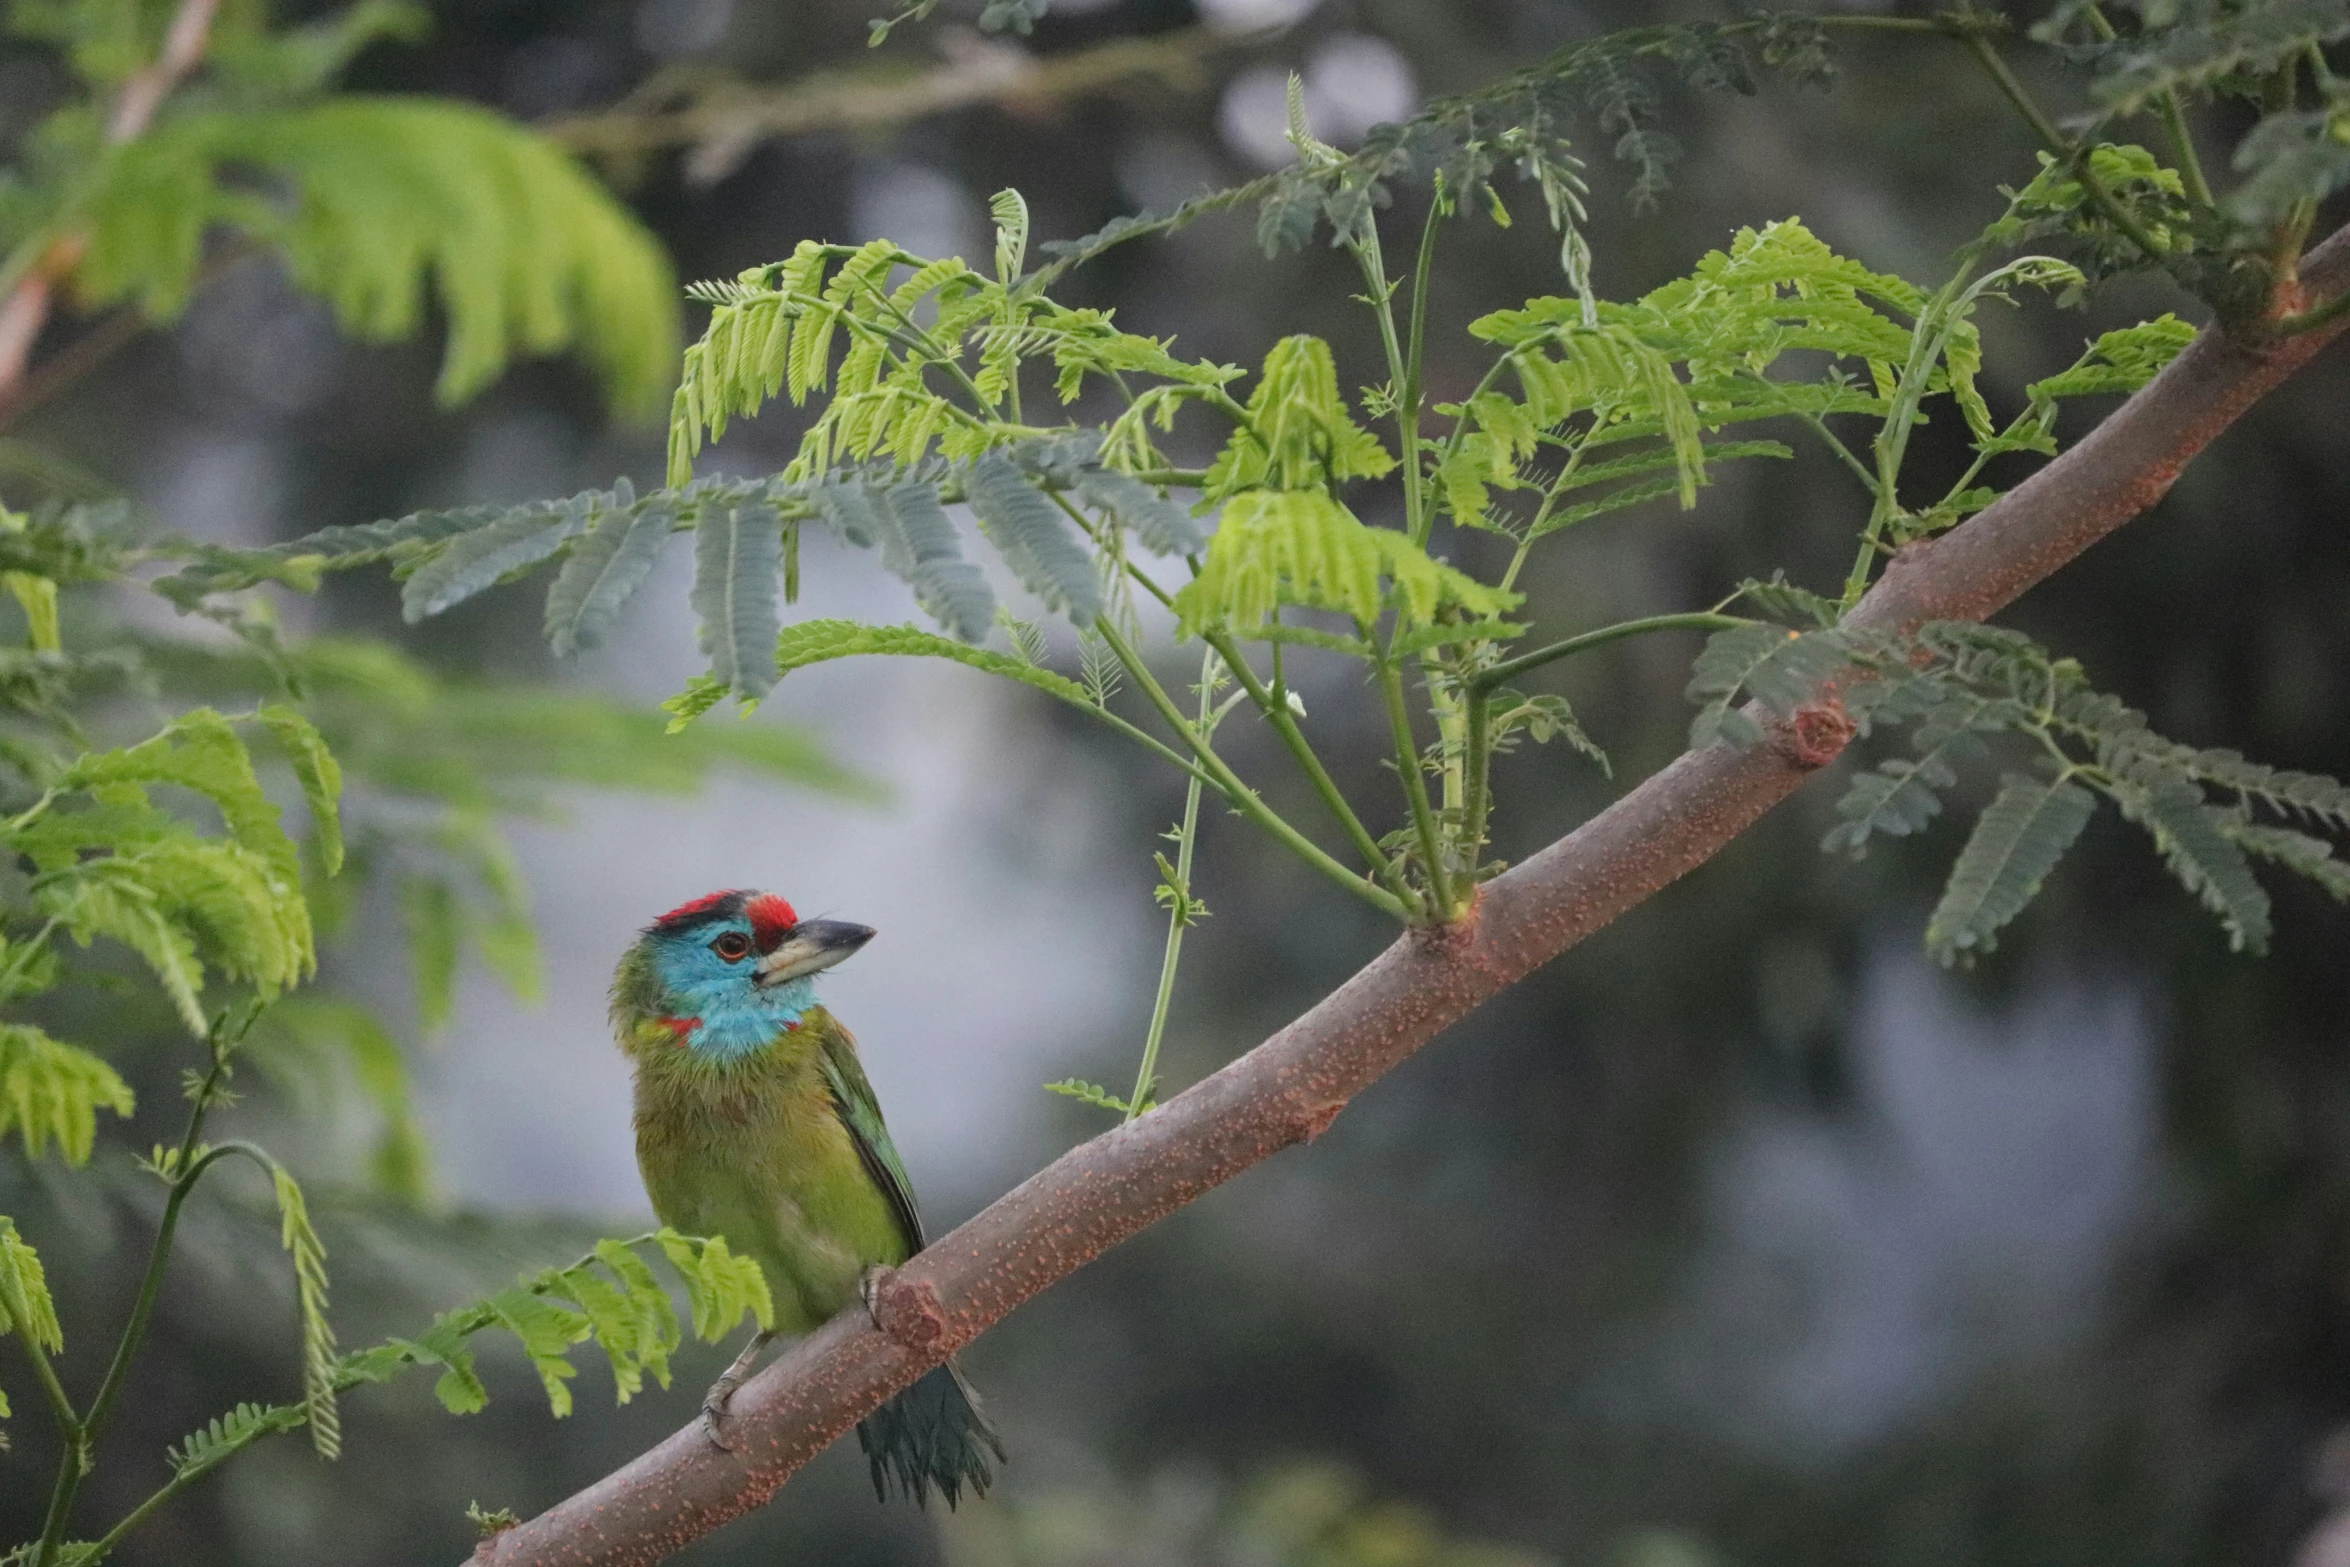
(772, 919)
(681, 1029)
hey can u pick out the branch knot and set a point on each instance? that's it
(907, 1311)
(1816, 733)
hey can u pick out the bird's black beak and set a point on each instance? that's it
(811, 946)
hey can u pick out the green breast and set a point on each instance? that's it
(757, 1151)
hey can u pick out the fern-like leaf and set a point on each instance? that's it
(738, 549)
(721, 1287)
(320, 776)
(1277, 547)
(809, 642)
(480, 559)
(2016, 843)
(604, 569)
(224, 1436)
(2197, 844)
(526, 253)
(1034, 538)
(25, 1304)
(2296, 851)
(918, 544)
(52, 1092)
(319, 1364)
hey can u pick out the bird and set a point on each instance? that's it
(755, 1123)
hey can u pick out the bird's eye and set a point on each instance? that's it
(734, 946)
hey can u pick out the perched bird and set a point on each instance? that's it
(754, 1122)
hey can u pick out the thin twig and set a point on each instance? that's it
(730, 118)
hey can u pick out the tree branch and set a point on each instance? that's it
(1292, 1086)
(723, 120)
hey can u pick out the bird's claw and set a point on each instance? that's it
(714, 1405)
(869, 1285)
(722, 1391)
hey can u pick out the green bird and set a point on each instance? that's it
(754, 1122)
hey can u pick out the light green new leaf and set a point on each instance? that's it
(25, 1306)
(547, 1331)
(107, 898)
(1277, 547)
(320, 775)
(52, 1091)
(319, 1365)
(520, 247)
(224, 1436)
(2016, 843)
(1299, 433)
(722, 1288)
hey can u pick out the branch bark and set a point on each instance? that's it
(1291, 1087)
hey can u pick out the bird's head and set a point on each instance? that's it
(726, 972)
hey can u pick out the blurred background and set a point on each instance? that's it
(1740, 1235)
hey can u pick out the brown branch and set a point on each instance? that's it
(728, 117)
(1292, 1086)
(26, 309)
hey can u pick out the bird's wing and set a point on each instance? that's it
(860, 1111)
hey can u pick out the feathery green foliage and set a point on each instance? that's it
(52, 1092)
(817, 641)
(1957, 687)
(318, 1336)
(2016, 843)
(523, 250)
(610, 1296)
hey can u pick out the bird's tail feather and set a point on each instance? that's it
(931, 1434)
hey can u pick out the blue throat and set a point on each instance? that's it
(737, 1019)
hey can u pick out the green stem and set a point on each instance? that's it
(2064, 147)
(69, 1425)
(1407, 413)
(74, 1463)
(1834, 443)
(2309, 320)
(2182, 146)
(2174, 122)
(1415, 357)
(1487, 681)
(1178, 915)
(1244, 799)
(1477, 803)
(1273, 702)
(1415, 786)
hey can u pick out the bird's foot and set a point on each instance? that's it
(869, 1285)
(722, 1392)
(714, 1405)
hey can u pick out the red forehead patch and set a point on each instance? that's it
(706, 903)
(771, 919)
